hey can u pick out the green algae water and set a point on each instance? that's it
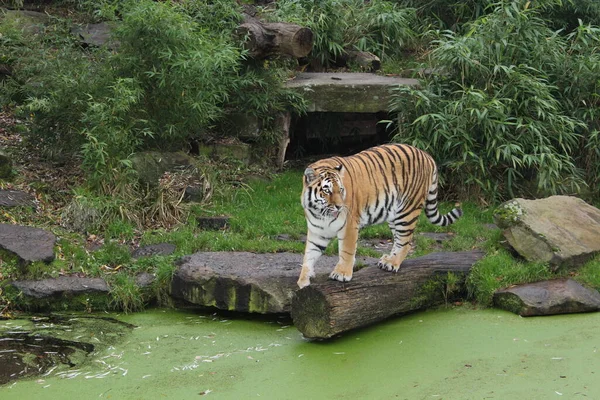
(457, 353)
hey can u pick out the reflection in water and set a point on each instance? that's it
(39, 345)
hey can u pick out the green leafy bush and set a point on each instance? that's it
(578, 90)
(381, 27)
(177, 72)
(499, 115)
(185, 75)
(455, 15)
(445, 14)
(568, 14)
(50, 80)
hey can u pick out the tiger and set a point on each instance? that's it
(388, 183)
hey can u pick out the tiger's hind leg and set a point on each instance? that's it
(402, 229)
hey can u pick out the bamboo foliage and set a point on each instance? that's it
(501, 116)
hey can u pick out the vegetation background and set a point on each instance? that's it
(509, 107)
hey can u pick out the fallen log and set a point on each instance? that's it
(265, 39)
(325, 309)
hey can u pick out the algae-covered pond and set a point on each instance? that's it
(457, 353)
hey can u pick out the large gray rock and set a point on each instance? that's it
(560, 296)
(27, 243)
(63, 285)
(560, 230)
(75, 292)
(241, 281)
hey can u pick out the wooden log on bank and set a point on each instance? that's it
(268, 38)
(325, 309)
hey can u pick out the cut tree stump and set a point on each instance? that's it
(323, 310)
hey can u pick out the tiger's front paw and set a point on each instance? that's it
(336, 276)
(341, 274)
(306, 273)
(303, 282)
(386, 264)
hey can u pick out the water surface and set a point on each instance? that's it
(456, 353)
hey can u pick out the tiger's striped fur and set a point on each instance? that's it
(390, 183)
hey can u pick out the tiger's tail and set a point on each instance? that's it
(431, 207)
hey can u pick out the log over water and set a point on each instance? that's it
(323, 310)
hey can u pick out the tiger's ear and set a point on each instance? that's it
(340, 169)
(309, 175)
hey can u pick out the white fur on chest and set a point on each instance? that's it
(326, 227)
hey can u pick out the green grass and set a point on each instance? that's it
(589, 273)
(500, 269)
(473, 230)
(265, 209)
(125, 294)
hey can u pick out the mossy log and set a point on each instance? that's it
(323, 310)
(265, 39)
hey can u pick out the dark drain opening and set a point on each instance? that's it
(325, 133)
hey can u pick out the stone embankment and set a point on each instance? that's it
(560, 230)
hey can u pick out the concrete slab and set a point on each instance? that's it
(347, 92)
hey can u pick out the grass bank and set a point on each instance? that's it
(266, 216)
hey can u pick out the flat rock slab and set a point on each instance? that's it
(347, 92)
(63, 285)
(560, 230)
(247, 282)
(16, 198)
(27, 243)
(560, 296)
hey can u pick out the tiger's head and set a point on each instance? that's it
(323, 193)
